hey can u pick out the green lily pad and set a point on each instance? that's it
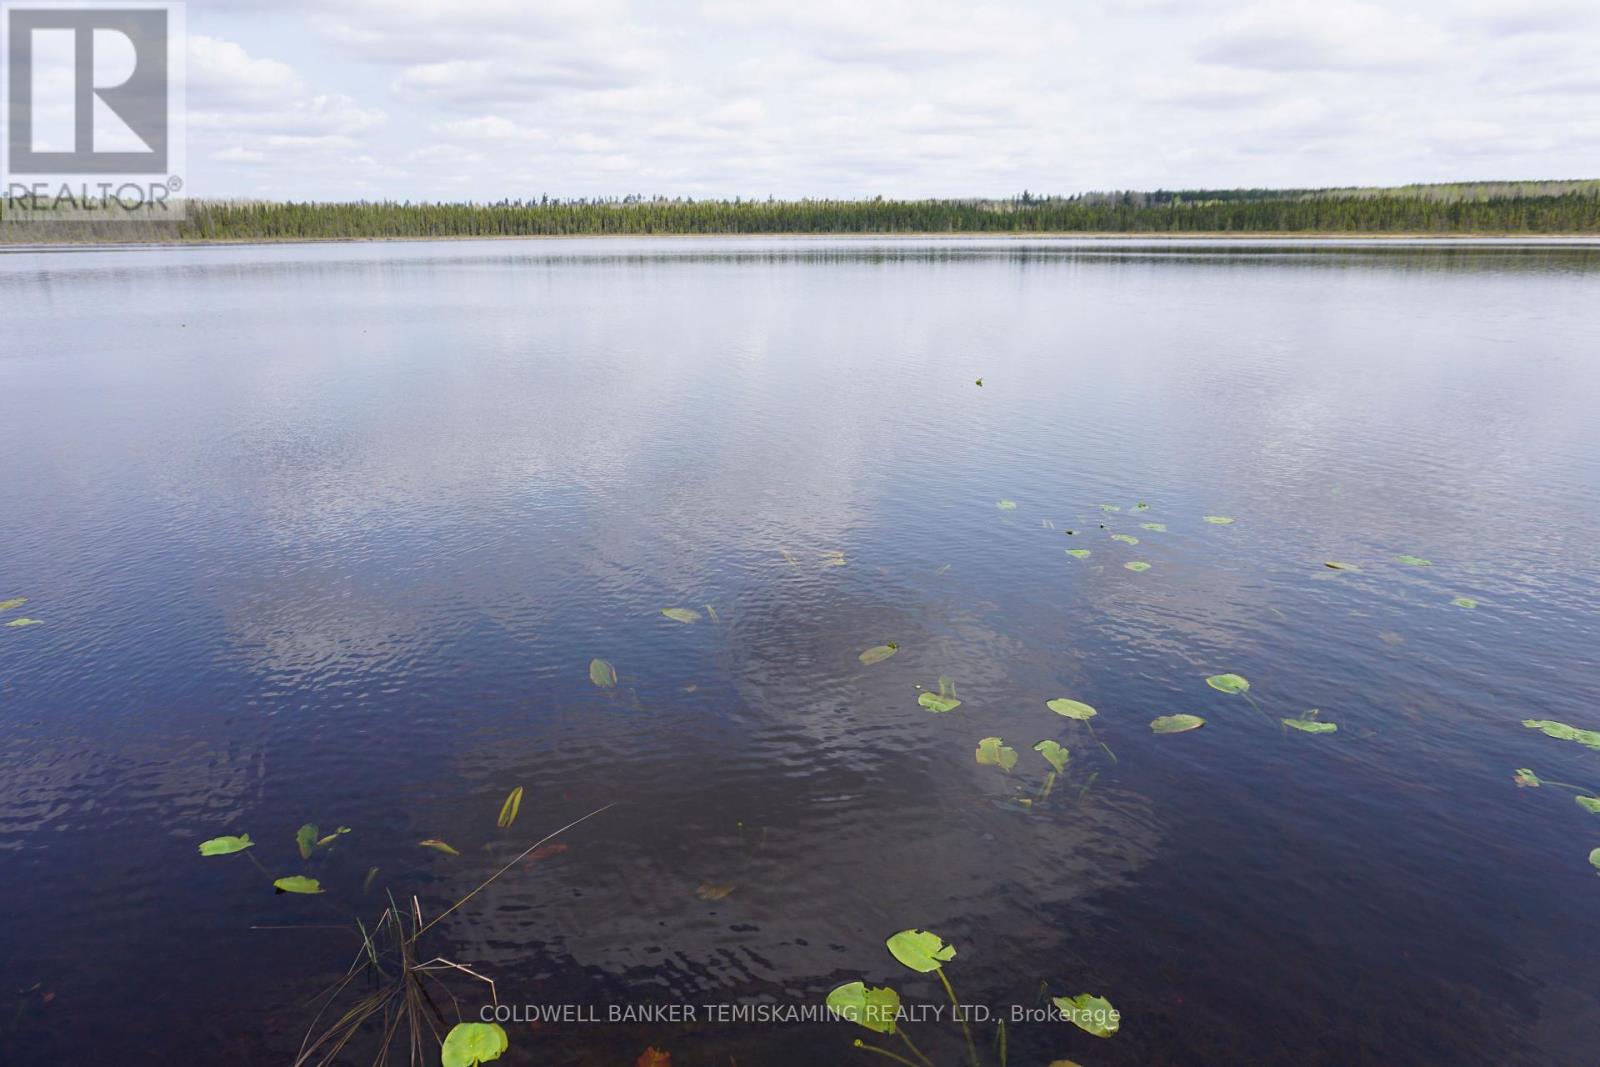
(306, 838)
(1594, 858)
(13, 604)
(1127, 539)
(1072, 709)
(1219, 520)
(1589, 804)
(1054, 753)
(226, 846)
(681, 614)
(297, 883)
(25, 622)
(1464, 602)
(602, 674)
(993, 753)
(1308, 724)
(920, 950)
(1007, 505)
(1228, 683)
(1526, 779)
(1078, 553)
(1091, 1014)
(1138, 566)
(1157, 527)
(936, 703)
(877, 1008)
(1561, 731)
(468, 1044)
(878, 653)
(1413, 561)
(1176, 724)
(1335, 565)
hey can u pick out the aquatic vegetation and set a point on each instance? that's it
(306, 839)
(25, 622)
(1335, 565)
(653, 1057)
(602, 674)
(438, 846)
(13, 604)
(1054, 753)
(875, 1007)
(1464, 602)
(1228, 683)
(1141, 507)
(684, 615)
(1072, 709)
(1110, 507)
(878, 653)
(297, 883)
(942, 701)
(979, 383)
(1589, 804)
(1594, 859)
(366, 883)
(1176, 724)
(1526, 779)
(226, 846)
(510, 809)
(1078, 553)
(993, 753)
(1156, 527)
(1089, 1013)
(1137, 566)
(1219, 520)
(1007, 505)
(1413, 561)
(920, 950)
(714, 890)
(469, 1044)
(1308, 723)
(1127, 539)
(829, 559)
(1561, 731)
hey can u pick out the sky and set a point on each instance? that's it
(490, 99)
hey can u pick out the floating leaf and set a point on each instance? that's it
(1563, 732)
(324, 842)
(1158, 527)
(1594, 858)
(226, 846)
(1072, 709)
(26, 622)
(1413, 561)
(920, 950)
(1464, 602)
(1589, 804)
(832, 559)
(1092, 1014)
(1127, 539)
(714, 890)
(1054, 753)
(1176, 724)
(13, 604)
(509, 810)
(1138, 566)
(1526, 779)
(435, 843)
(602, 674)
(306, 838)
(878, 653)
(1308, 724)
(1007, 505)
(1141, 507)
(1109, 507)
(1078, 553)
(1228, 683)
(681, 614)
(991, 753)
(297, 883)
(1335, 565)
(876, 1008)
(468, 1044)
(1219, 520)
(936, 703)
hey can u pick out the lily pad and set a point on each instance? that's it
(937, 703)
(920, 950)
(1335, 565)
(1176, 724)
(468, 1044)
(1141, 507)
(877, 1007)
(13, 604)
(1110, 507)
(878, 653)
(1464, 602)
(1413, 561)
(1157, 527)
(306, 839)
(438, 846)
(1526, 779)
(1007, 505)
(993, 753)
(25, 622)
(297, 883)
(509, 810)
(1563, 732)
(1138, 566)
(1594, 858)
(1308, 724)
(1072, 709)
(1219, 520)
(226, 846)
(1054, 753)
(1589, 804)
(602, 674)
(1078, 553)
(1089, 1013)
(681, 614)
(1127, 539)
(1228, 683)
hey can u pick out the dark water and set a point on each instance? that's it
(330, 534)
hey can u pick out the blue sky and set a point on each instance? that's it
(483, 99)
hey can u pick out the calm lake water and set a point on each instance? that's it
(330, 534)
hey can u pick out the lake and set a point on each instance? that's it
(331, 534)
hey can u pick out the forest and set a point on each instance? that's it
(1483, 208)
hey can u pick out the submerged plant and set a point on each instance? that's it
(878, 653)
(602, 674)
